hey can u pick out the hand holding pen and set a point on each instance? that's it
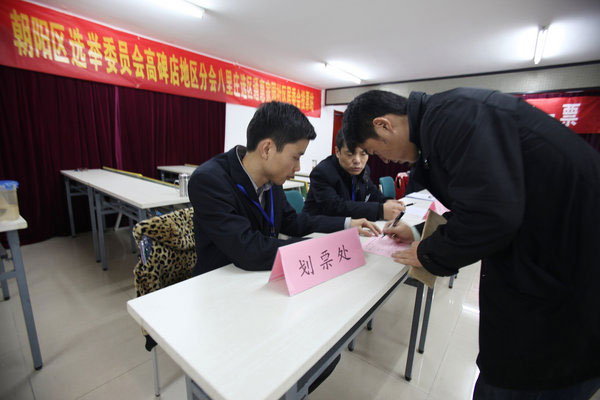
(398, 234)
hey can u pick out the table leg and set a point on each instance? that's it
(90, 193)
(413, 332)
(5, 291)
(133, 246)
(428, 301)
(70, 206)
(142, 214)
(194, 391)
(13, 242)
(99, 208)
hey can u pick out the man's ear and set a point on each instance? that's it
(337, 152)
(265, 148)
(383, 123)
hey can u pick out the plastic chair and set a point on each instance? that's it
(167, 256)
(295, 199)
(387, 186)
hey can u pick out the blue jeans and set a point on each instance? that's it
(580, 391)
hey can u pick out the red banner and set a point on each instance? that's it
(581, 114)
(41, 39)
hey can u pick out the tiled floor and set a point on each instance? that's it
(92, 349)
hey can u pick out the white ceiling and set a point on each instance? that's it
(378, 40)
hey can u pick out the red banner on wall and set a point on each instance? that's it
(581, 114)
(41, 39)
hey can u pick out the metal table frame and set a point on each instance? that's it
(19, 274)
(102, 204)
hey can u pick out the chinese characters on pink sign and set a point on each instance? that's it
(311, 262)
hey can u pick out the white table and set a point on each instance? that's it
(189, 169)
(237, 336)
(175, 170)
(109, 192)
(288, 185)
(11, 228)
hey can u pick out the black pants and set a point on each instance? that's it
(581, 391)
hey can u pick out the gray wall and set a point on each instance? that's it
(537, 80)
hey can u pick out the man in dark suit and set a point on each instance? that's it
(524, 192)
(341, 186)
(239, 205)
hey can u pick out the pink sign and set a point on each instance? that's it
(311, 262)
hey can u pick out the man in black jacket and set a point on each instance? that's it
(341, 185)
(239, 205)
(524, 192)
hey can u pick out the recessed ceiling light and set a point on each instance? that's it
(342, 74)
(540, 44)
(187, 7)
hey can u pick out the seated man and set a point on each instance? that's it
(341, 186)
(239, 205)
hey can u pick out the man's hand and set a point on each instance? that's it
(391, 208)
(409, 256)
(400, 233)
(365, 227)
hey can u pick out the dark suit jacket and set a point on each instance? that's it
(331, 192)
(524, 192)
(229, 228)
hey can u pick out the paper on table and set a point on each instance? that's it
(419, 273)
(417, 211)
(384, 246)
(420, 196)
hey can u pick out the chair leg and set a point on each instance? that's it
(351, 345)
(370, 325)
(425, 323)
(155, 363)
(452, 278)
(412, 344)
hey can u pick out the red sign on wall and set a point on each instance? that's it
(41, 39)
(581, 114)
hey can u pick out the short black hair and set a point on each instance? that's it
(358, 117)
(340, 140)
(281, 122)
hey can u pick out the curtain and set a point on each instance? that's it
(162, 129)
(379, 169)
(49, 123)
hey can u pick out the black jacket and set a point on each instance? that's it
(229, 228)
(525, 193)
(331, 192)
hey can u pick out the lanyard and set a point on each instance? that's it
(353, 192)
(271, 220)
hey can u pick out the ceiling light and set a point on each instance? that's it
(187, 7)
(539, 44)
(342, 74)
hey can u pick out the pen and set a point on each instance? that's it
(396, 220)
(409, 204)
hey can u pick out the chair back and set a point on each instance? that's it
(167, 250)
(387, 186)
(295, 199)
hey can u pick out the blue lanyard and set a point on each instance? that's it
(271, 220)
(353, 192)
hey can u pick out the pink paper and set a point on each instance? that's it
(311, 262)
(384, 246)
(438, 207)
